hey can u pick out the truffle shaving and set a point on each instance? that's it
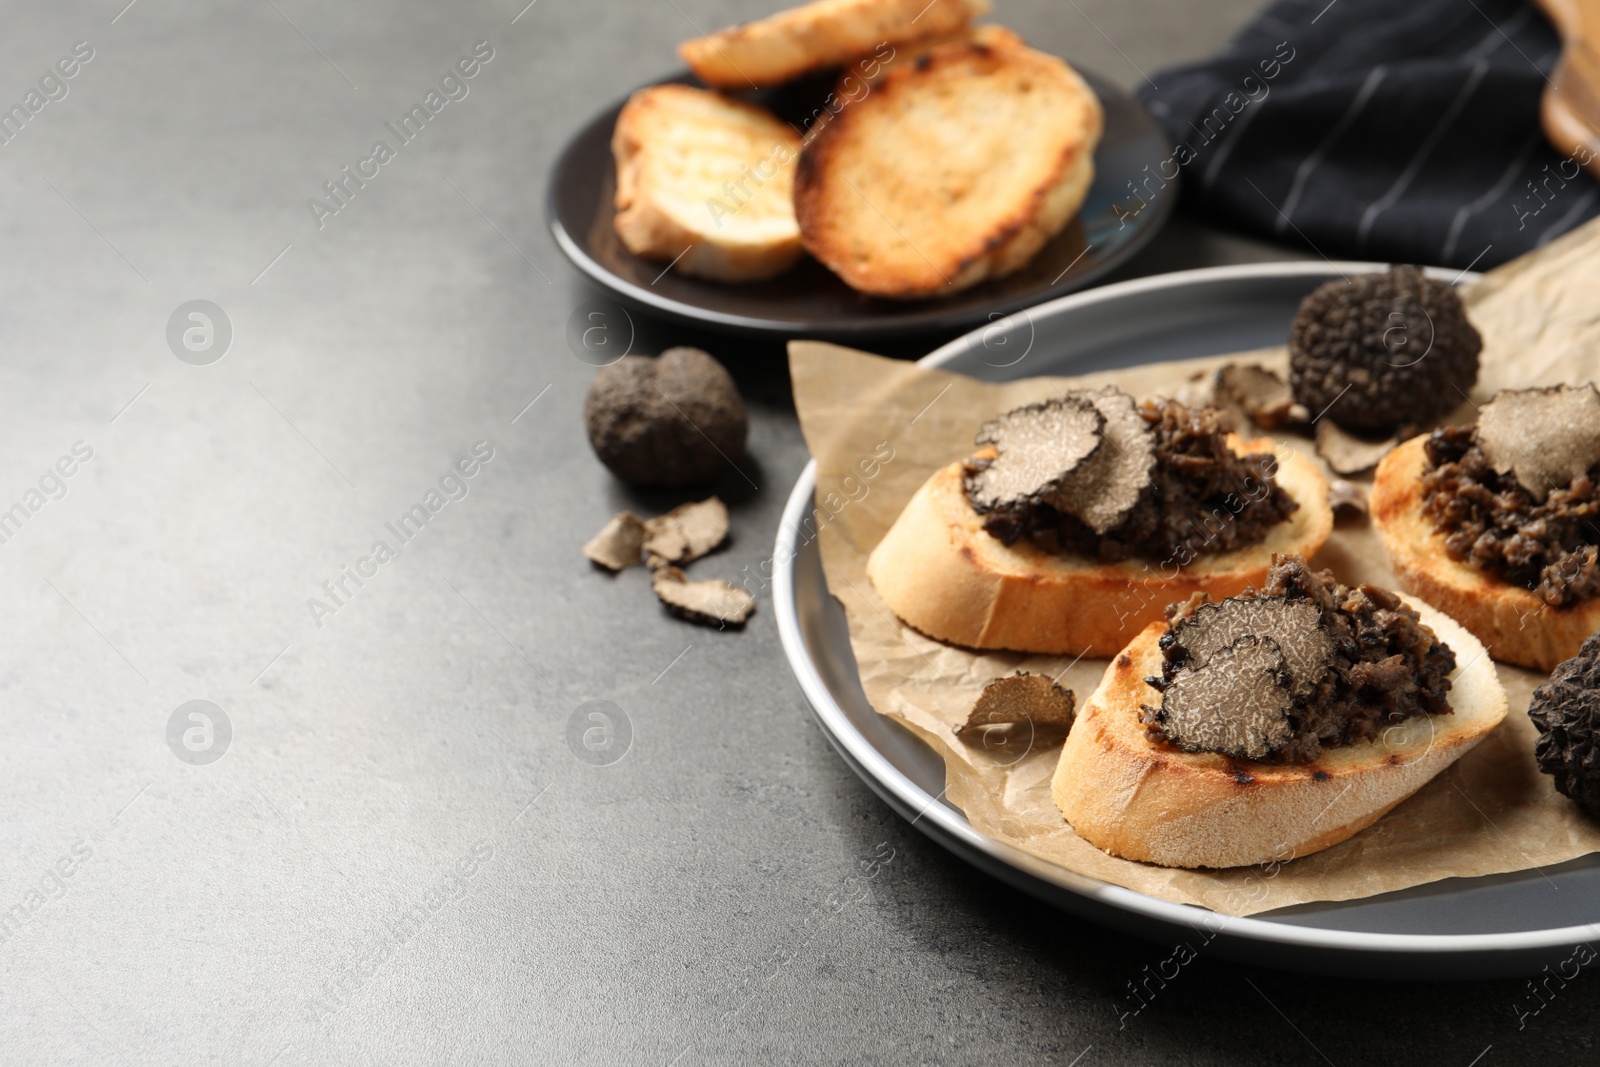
(712, 602)
(1296, 628)
(1023, 698)
(1347, 498)
(1036, 446)
(1256, 392)
(1546, 438)
(1237, 704)
(619, 543)
(1346, 453)
(685, 533)
(1104, 489)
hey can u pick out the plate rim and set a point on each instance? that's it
(867, 760)
(573, 249)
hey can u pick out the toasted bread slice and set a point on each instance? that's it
(871, 71)
(950, 170)
(1517, 625)
(1150, 801)
(826, 33)
(939, 570)
(706, 182)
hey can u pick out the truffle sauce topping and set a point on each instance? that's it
(1518, 495)
(1302, 665)
(1159, 480)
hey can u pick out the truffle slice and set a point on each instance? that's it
(685, 533)
(1104, 489)
(1295, 626)
(619, 542)
(1347, 453)
(1037, 445)
(1566, 709)
(1547, 438)
(1237, 704)
(712, 602)
(1257, 392)
(1024, 697)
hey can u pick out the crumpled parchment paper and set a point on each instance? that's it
(878, 428)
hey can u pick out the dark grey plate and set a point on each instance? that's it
(1458, 928)
(808, 299)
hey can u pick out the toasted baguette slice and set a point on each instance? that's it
(939, 570)
(1153, 802)
(697, 171)
(1517, 626)
(950, 170)
(826, 33)
(871, 71)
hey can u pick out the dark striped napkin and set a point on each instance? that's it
(1376, 129)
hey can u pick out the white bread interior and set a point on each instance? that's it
(706, 183)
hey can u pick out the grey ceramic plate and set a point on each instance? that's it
(1458, 928)
(808, 299)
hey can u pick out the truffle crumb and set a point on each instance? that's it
(1256, 392)
(1034, 699)
(1566, 709)
(685, 533)
(1296, 627)
(1237, 703)
(1347, 498)
(1104, 489)
(711, 602)
(1546, 438)
(1378, 351)
(619, 543)
(1036, 446)
(1347, 453)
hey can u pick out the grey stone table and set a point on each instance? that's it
(399, 856)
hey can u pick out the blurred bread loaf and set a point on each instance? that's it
(706, 182)
(823, 34)
(953, 169)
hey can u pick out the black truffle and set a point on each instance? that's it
(672, 421)
(1566, 709)
(1382, 350)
